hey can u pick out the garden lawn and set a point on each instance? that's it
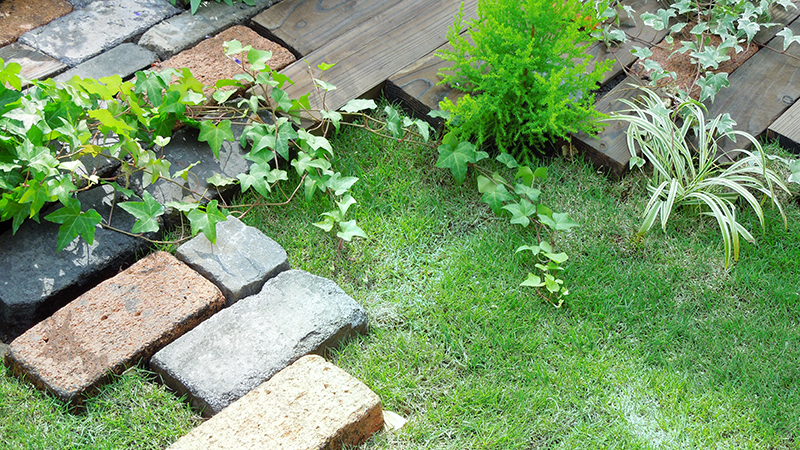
(656, 346)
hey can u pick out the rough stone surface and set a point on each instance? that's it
(241, 261)
(20, 16)
(123, 319)
(185, 30)
(35, 280)
(184, 150)
(82, 34)
(310, 405)
(78, 4)
(123, 60)
(208, 63)
(224, 358)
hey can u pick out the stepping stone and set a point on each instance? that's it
(227, 356)
(20, 16)
(311, 404)
(241, 261)
(87, 32)
(186, 29)
(184, 150)
(370, 53)
(113, 326)
(37, 281)
(123, 60)
(208, 63)
(34, 65)
(306, 25)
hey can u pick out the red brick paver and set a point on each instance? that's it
(114, 325)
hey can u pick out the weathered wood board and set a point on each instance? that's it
(35, 65)
(609, 149)
(417, 86)
(760, 90)
(786, 129)
(641, 36)
(306, 25)
(370, 53)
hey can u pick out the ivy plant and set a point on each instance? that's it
(525, 72)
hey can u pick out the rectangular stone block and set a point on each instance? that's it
(123, 60)
(241, 261)
(122, 320)
(310, 405)
(227, 356)
(186, 29)
(84, 33)
(37, 280)
(34, 65)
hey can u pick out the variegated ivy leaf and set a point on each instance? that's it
(358, 104)
(641, 52)
(684, 6)
(794, 167)
(712, 83)
(788, 37)
(659, 20)
(724, 126)
(350, 230)
(786, 4)
(749, 28)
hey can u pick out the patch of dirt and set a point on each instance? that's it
(17, 17)
(208, 63)
(681, 64)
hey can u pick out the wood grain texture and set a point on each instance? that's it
(370, 53)
(608, 150)
(786, 129)
(35, 65)
(760, 91)
(306, 25)
(417, 86)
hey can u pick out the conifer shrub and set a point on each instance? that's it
(525, 72)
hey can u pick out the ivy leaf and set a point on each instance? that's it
(532, 281)
(350, 230)
(457, 159)
(220, 181)
(215, 135)
(508, 160)
(258, 59)
(257, 179)
(393, 122)
(281, 99)
(109, 122)
(152, 84)
(535, 249)
(358, 104)
(340, 185)
(497, 197)
(37, 195)
(206, 219)
(74, 222)
(520, 212)
(794, 167)
(710, 57)
(527, 191)
(557, 258)
(788, 37)
(558, 221)
(145, 212)
(711, 83)
(325, 66)
(334, 116)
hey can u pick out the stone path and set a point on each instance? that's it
(74, 317)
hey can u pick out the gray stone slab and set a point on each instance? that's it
(35, 281)
(78, 4)
(184, 150)
(34, 65)
(123, 60)
(241, 261)
(242, 346)
(87, 32)
(186, 30)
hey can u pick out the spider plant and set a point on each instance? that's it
(682, 147)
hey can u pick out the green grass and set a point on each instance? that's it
(656, 346)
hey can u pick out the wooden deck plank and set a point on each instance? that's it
(760, 90)
(35, 65)
(306, 25)
(608, 149)
(370, 53)
(786, 129)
